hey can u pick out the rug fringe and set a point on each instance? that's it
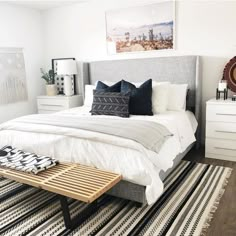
(206, 225)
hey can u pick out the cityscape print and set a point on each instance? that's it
(144, 28)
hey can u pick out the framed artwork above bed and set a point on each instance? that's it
(141, 28)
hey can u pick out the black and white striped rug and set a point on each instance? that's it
(192, 193)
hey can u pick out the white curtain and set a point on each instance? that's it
(13, 87)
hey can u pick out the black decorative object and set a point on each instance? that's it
(234, 98)
(59, 79)
(224, 92)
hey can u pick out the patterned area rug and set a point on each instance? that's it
(192, 193)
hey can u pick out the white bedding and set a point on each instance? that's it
(127, 157)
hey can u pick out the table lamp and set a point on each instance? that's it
(67, 68)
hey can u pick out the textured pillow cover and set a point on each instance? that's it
(160, 93)
(105, 88)
(177, 97)
(140, 98)
(110, 103)
(25, 161)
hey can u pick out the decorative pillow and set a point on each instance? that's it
(140, 98)
(177, 97)
(110, 83)
(105, 88)
(25, 161)
(110, 103)
(160, 93)
(88, 101)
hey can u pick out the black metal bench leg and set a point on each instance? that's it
(83, 216)
(65, 211)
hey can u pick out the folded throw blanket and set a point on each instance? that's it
(151, 135)
(24, 161)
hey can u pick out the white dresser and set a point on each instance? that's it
(221, 129)
(51, 104)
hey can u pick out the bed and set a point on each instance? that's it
(142, 169)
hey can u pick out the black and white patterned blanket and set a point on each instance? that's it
(24, 161)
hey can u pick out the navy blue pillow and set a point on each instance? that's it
(140, 98)
(105, 88)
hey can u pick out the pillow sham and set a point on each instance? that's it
(110, 103)
(105, 88)
(110, 83)
(160, 93)
(177, 97)
(140, 98)
(88, 100)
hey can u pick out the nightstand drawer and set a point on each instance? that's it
(221, 130)
(225, 113)
(221, 147)
(53, 104)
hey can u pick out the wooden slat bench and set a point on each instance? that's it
(76, 181)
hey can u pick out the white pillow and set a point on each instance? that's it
(177, 97)
(88, 100)
(160, 93)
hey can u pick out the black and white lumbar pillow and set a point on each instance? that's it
(110, 103)
(24, 161)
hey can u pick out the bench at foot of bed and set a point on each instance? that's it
(76, 181)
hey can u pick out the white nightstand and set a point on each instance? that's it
(51, 104)
(221, 129)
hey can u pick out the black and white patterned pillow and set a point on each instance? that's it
(110, 103)
(25, 161)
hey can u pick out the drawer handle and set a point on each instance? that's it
(50, 105)
(229, 149)
(224, 114)
(228, 132)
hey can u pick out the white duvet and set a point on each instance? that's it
(127, 157)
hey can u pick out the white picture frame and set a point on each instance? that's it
(141, 28)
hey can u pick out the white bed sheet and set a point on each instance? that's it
(136, 164)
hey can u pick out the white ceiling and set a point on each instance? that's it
(42, 5)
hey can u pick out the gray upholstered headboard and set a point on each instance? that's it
(176, 69)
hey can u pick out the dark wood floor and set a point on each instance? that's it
(224, 220)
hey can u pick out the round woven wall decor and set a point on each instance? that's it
(230, 74)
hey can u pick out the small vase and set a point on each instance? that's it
(51, 90)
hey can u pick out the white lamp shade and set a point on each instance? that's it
(66, 67)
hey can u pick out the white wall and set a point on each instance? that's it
(22, 27)
(204, 28)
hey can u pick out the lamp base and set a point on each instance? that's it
(68, 86)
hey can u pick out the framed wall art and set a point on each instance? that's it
(141, 28)
(59, 79)
(13, 87)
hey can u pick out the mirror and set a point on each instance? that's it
(230, 74)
